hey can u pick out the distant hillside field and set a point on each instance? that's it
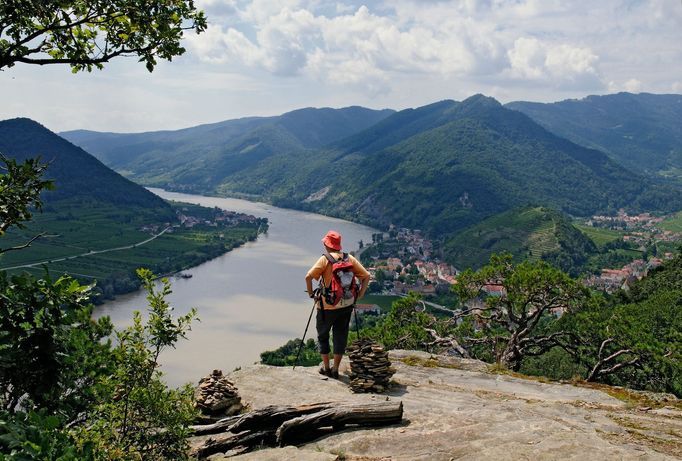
(532, 233)
(93, 209)
(600, 236)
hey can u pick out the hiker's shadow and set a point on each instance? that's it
(396, 389)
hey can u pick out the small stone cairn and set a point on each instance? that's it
(217, 396)
(370, 369)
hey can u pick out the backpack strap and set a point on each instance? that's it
(330, 258)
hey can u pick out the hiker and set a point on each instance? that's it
(335, 302)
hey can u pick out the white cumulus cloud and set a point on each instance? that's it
(631, 85)
(268, 56)
(375, 45)
(562, 64)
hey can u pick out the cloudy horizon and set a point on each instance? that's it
(261, 58)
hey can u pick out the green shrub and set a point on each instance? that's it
(140, 417)
(51, 351)
(37, 436)
(286, 355)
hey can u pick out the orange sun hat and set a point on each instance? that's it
(332, 240)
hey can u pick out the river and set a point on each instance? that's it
(250, 299)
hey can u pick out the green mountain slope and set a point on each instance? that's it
(527, 233)
(196, 159)
(642, 132)
(78, 175)
(485, 160)
(398, 127)
(442, 167)
(117, 150)
(97, 225)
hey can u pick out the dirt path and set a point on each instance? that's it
(89, 253)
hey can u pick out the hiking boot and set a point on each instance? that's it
(325, 371)
(334, 373)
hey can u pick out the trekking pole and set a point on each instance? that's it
(300, 348)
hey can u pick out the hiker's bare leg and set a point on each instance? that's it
(337, 360)
(325, 360)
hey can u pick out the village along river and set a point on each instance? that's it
(248, 300)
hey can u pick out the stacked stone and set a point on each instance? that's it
(217, 396)
(370, 369)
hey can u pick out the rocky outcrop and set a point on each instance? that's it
(456, 409)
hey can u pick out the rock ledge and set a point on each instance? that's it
(454, 409)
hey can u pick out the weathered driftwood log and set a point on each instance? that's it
(223, 443)
(280, 425)
(369, 414)
(272, 416)
(219, 426)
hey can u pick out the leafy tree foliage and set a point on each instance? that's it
(140, 417)
(53, 360)
(51, 350)
(405, 326)
(38, 436)
(56, 367)
(20, 188)
(286, 354)
(58, 370)
(633, 339)
(89, 33)
(634, 344)
(529, 295)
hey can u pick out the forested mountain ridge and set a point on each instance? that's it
(478, 160)
(118, 149)
(198, 158)
(441, 167)
(77, 175)
(642, 132)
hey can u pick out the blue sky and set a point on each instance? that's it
(263, 57)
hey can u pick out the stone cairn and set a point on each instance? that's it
(217, 396)
(370, 369)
